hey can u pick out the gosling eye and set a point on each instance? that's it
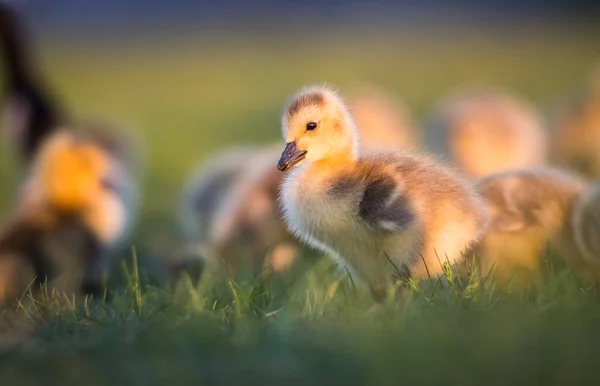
(311, 126)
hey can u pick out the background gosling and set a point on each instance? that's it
(486, 131)
(530, 210)
(74, 207)
(376, 213)
(586, 228)
(205, 192)
(231, 210)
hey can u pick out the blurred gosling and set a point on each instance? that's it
(576, 132)
(230, 209)
(207, 188)
(75, 206)
(586, 225)
(484, 132)
(530, 210)
(378, 214)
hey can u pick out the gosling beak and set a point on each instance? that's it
(290, 156)
(108, 184)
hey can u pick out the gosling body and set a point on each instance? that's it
(531, 210)
(75, 206)
(586, 228)
(204, 194)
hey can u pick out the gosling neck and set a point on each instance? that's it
(347, 151)
(337, 159)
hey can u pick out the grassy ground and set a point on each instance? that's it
(192, 98)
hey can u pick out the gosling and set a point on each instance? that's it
(378, 214)
(231, 209)
(586, 229)
(485, 131)
(531, 210)
(204, 194)
(74, 207)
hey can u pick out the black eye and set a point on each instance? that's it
(311, 125)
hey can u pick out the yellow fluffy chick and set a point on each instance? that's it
(230, 207)
(531, 210)
(375, 213)
(383, 120)
(75, 205)
(576, 134)
(484, 132)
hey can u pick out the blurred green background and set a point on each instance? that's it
(189, 96)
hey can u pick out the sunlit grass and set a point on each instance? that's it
(318, 330)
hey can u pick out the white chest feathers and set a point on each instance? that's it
(312, 214)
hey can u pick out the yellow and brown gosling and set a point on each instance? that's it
(531, 211)
(376, 213)
(230, 207)
(383, 119)
(484, 132)
(576, 132)
(76, 205)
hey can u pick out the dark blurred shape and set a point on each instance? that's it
(30, 113)
(586, 220)
(576, 131)
(35, 253)
(487, 131)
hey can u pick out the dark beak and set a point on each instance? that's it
(290, 156)
(107, 184)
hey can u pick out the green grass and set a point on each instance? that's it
(190, 99)
(318, 331)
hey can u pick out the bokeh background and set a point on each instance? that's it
(192, 77)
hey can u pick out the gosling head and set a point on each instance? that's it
(71, 171)
(316, 125)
